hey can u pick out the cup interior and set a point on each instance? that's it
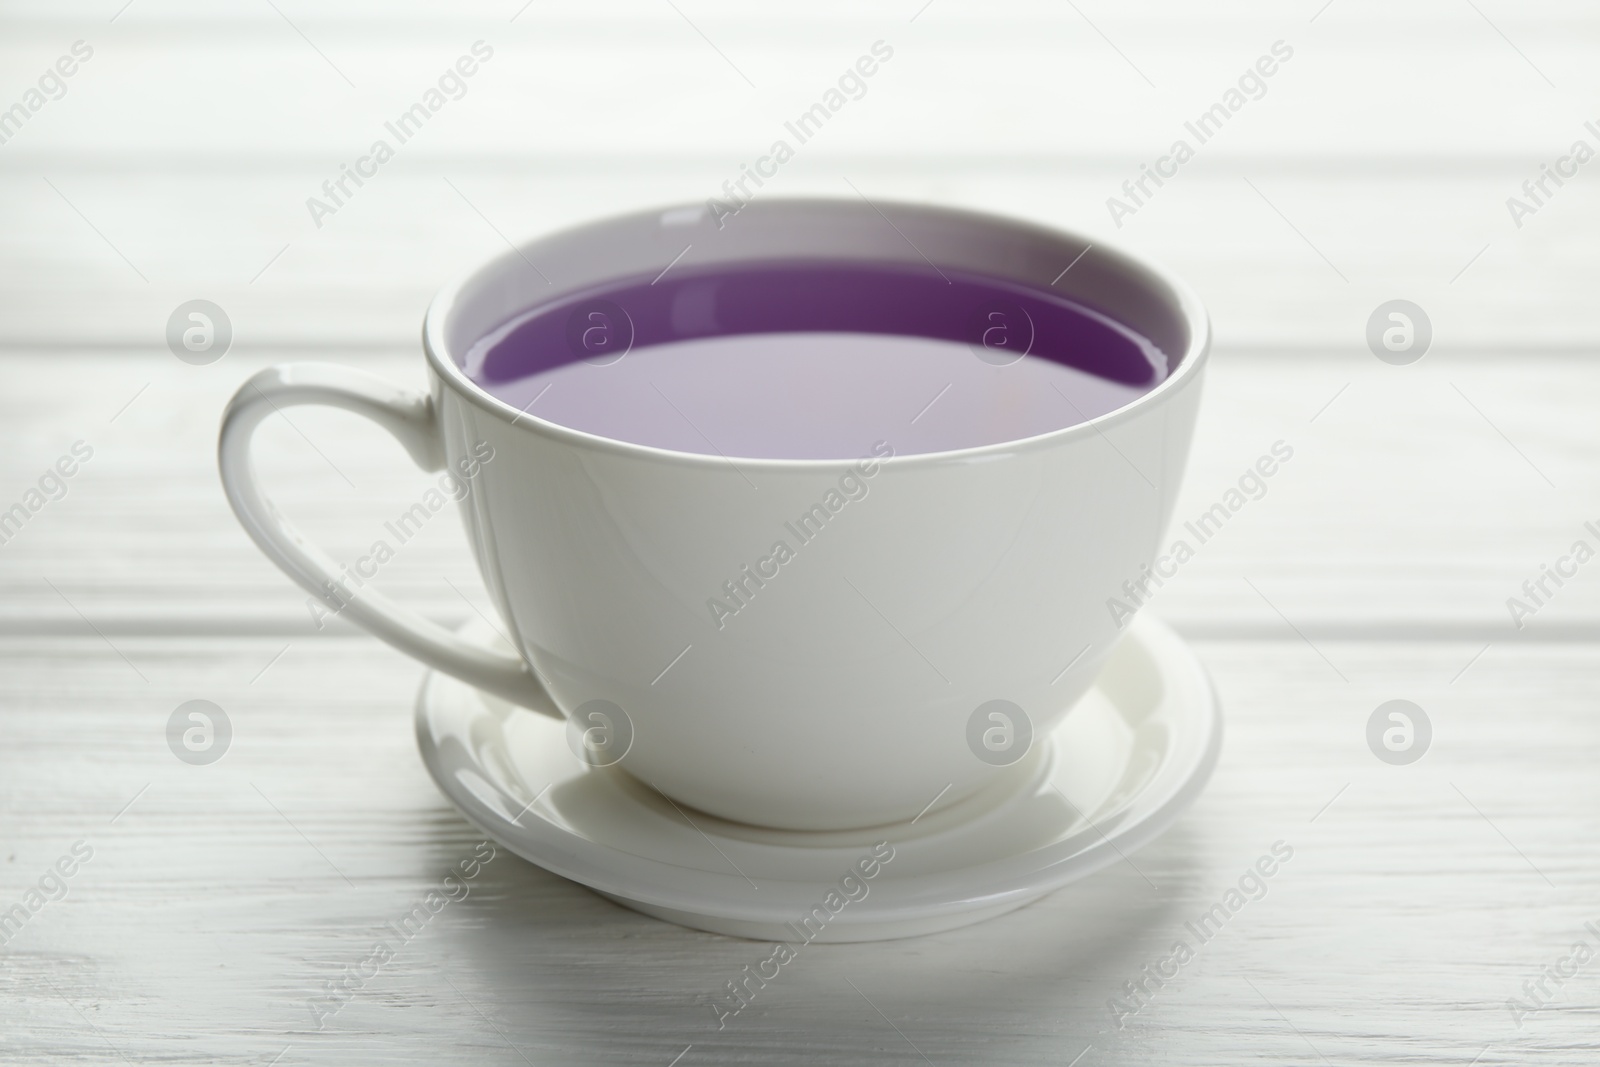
(793, 260)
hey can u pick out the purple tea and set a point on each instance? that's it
(815, 360)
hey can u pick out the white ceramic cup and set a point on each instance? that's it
(964, 577)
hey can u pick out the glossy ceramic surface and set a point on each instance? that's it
(841, 692)
(1133, 753)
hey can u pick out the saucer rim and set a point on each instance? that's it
(720, 896)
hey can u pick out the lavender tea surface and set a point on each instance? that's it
(815, 360)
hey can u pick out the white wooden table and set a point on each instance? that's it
(219, 902)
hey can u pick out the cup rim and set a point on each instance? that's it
(436, 350)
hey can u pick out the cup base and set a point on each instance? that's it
(940, 815)
(1117, 770)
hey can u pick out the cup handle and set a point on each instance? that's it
(412, 420)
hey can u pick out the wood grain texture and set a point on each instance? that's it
(221, 900)
(180, 160)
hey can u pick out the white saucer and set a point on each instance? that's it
(1113, 774)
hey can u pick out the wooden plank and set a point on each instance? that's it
(637, 79)
(220, 902)
(164, 172)
(365, 279)
(1138, 67)
(1284, 259)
